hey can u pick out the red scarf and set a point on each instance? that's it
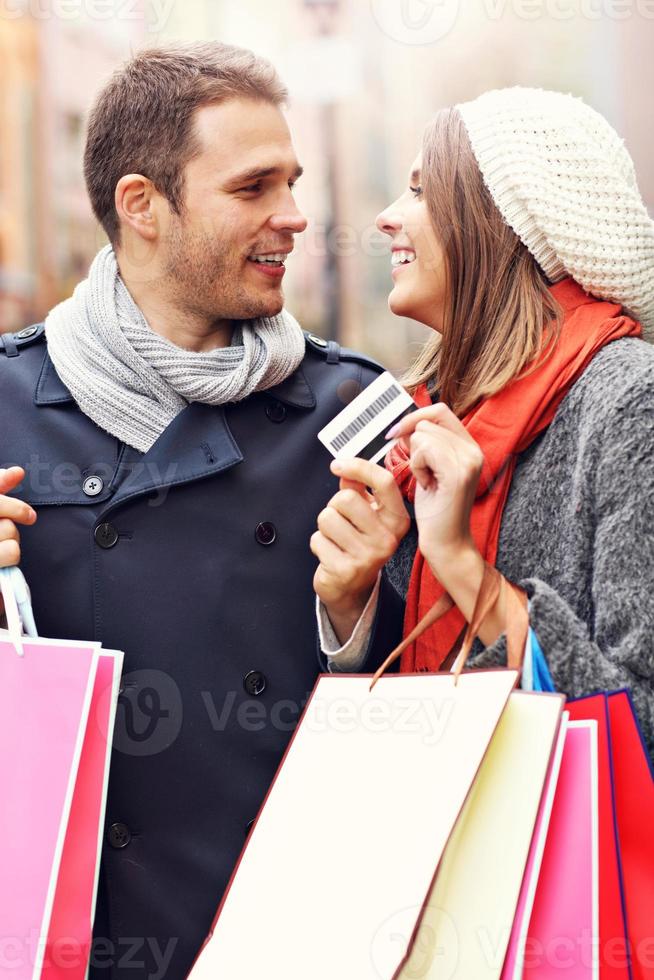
(504, 425)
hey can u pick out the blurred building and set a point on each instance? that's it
(362, 94)
(18, 165)
(362, 89)
(50, 69)
(76, 58)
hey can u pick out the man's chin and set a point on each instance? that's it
(268, 306)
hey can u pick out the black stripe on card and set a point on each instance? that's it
(368, 415)
(379, 441)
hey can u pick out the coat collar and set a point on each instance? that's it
(197, 443)
(50, 389)
(294, 391)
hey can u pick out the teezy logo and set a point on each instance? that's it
(415, 21)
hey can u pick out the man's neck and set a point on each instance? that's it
(185, 329)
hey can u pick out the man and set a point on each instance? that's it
(166, 420)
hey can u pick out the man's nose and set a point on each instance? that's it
(389, 221)
(290, 219)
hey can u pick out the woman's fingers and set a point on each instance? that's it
(439, 414)
(385, 492)
(338, 529)
(421, 464)
(434, 449)
(368, 474)
(433, 434)
(345, 484)
(357, 533)
(330, 556)
(357, 510)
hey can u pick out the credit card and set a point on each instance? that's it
(359, 429)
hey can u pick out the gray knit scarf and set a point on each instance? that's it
(132, 382)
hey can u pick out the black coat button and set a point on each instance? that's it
(254, 682)
(248, 827)
(265, 533)
(105, 535)
(276, 412)
(119, 835)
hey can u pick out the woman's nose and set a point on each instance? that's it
(389, 221)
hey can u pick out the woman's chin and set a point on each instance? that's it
(398, 304)
(402, 306)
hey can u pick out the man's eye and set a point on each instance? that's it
(251, 188)
(416, 191)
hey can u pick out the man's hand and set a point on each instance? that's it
(358, 531)
(12, 512)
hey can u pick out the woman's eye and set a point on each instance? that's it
(416, 191)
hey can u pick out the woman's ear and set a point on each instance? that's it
(134, 205)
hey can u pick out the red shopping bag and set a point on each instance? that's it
(626, 844)
(634, 809)
(613, 946)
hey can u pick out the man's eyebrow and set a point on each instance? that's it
(259, 173)
(415, 177)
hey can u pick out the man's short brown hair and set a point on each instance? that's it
(142, 121)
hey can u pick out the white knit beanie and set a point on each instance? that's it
(563, 180)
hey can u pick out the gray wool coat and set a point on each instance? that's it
(577, 533)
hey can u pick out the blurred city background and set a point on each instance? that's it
(364, 75)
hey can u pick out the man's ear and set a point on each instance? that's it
(135, 207)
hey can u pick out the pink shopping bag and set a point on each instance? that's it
(563, 933)
(57, 703)
(69, 934)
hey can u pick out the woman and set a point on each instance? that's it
(523, 242)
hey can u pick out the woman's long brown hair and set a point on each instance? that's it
(499, 312)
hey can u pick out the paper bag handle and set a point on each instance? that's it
(18, 606)
(517, 628)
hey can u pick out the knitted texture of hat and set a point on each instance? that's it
(563, 180)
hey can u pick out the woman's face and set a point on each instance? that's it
(417, 257)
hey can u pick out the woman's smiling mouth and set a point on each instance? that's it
(401, 257)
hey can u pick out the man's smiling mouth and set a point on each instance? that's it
(275, 259)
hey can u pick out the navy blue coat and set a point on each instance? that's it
(193, 559)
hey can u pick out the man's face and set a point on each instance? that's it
(238, 208)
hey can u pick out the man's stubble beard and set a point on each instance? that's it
(204, 278)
